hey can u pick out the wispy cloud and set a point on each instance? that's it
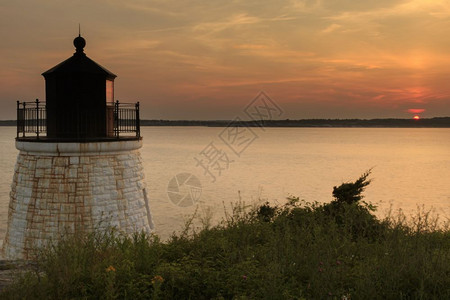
(233, 21)
(331, 28)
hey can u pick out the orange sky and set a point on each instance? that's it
(209, 59)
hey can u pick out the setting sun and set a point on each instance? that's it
(416, 117)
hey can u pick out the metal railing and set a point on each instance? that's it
(31, 118)
(122, 119)
(126, 118)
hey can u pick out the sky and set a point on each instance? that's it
(209, 59)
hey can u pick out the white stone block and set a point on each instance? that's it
(72, 173)
(84, 160)
(58, 170)
(98, 190)
(61, 161)
(108, 171)
(74, 160)
(43, 183)
(44, 163)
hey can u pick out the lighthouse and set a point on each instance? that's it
(79, 166)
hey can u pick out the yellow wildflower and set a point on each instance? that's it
(157, 278)
(110, 268)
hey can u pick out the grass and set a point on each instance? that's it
(300, 250)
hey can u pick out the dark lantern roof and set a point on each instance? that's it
(79, 63)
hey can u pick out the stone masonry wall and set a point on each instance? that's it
(77, 188)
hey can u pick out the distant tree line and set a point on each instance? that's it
(442, 122)
(406, 123)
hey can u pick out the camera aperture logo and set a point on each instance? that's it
(184, 189)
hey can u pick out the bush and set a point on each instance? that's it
(300, 250)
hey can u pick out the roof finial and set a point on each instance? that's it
(79, 42)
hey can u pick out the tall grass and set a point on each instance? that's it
(299, 250)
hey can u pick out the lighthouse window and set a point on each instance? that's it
(109, 91)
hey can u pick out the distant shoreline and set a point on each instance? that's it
(441, 122)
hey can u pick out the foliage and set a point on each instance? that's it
(351, 192)
(300, 250)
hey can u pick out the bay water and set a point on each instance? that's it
(410, 168)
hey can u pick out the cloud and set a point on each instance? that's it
(416, 110)
(250, 46)
(233, 21)
(331, 28)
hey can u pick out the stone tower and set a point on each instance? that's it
(79, 167)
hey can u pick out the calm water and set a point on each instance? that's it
(410, 167)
